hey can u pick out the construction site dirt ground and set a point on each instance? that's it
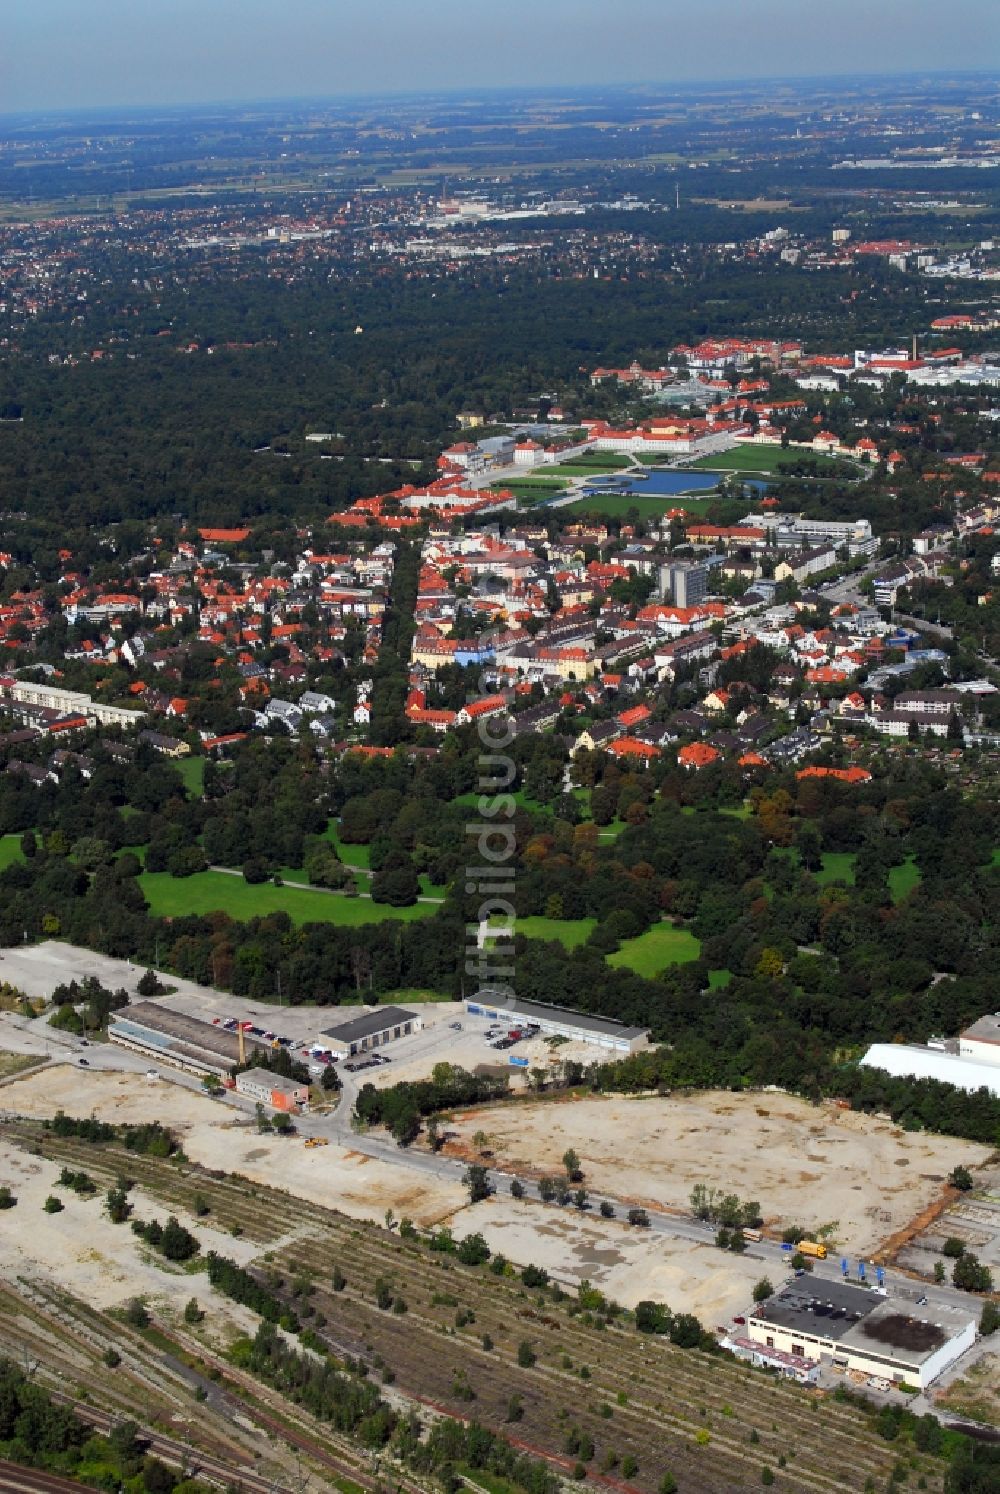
(81, 1251)
(338, 1178)
(815, 1166)
(812, 1165)
(627, 1264)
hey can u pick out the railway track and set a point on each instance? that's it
(35, 1481)
(345, 1465)
(196, 1464)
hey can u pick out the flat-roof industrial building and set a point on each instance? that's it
(372, 1030)
(559, 1021)
(970, 1062)
(177, 1039)
(861, 1330)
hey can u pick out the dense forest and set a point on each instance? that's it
(218, 439)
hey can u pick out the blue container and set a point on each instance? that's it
(519, 1063)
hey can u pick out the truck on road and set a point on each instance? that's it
(813, 1248)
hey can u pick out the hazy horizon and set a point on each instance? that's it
(169, 53)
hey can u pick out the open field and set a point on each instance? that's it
(569, 931)
(758, 459)
(903, 879)
(10, 850)
(648, 505)
(838, 866)
(212, 891)
(350, 855)
(63, 1247)
(658, 947)
(858, 1176)
(192, 771)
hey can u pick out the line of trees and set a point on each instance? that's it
(243, 1286)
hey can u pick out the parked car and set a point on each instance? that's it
(455, 1026)
(84, 1063)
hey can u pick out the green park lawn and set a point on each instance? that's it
(648, 505)
(903, 879)
(350, 855)
(597, 461)
(838, 866)
(212, 892)
(10, 850)
(582, 468)
(192, 771)
(657, 948)
(570, 932)
(757, 459)
(617, 505)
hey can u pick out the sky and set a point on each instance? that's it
(87, 53)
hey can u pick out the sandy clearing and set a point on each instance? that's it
(808, 1165)
(110, 1095)
(336, 1177)
(627, 1264)
(101, 1263)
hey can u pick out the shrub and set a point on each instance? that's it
(953, 1248)
(135, 1313)
(630, 1466)
(7, 1199)
(53, 1205)
(526, 1355)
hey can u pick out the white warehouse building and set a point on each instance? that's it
(975, 1064)
(860, 1330)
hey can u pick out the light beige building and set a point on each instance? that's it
(68, 703)
(859, 1329)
